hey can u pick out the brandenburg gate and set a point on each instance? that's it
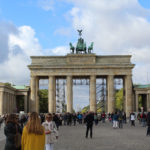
(82, 64)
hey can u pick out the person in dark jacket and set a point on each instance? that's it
(56, 120)
(89, 124)
(10, 131)
(148, 123)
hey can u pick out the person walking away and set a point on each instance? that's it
(50, 132)
(139, 117)
(120, 118)
(10, 131)
(132, 119)
(96, 119)
(148, 123)
(124, 118)
(56, 120)
(103, 117)
(33, 137)
(74, 118)
(89, 124)
(143, 119)
(115, 120)
(1, 121)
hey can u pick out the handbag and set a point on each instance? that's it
(17, 138)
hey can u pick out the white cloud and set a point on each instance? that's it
(47, 5)
(20, 44)
(116, 27)
(62, 50)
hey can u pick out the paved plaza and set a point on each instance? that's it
(104, 138)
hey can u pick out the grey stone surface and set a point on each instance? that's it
(104, 138)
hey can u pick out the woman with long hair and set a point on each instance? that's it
(50, 131)
(10, 131)
(33, 137)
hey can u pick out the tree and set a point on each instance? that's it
(119, 99)
(43, 101)
(140, 102)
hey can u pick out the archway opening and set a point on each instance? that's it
(43, 95)
(119, 93)
(81, 94)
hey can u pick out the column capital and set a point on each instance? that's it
(33, 76)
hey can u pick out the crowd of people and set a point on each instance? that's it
(39, 131)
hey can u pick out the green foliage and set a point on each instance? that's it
(43, 101)
(8, 84)
(20, 102)
(85, 109)
(140, 101)
(119, 99)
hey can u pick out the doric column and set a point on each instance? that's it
(124, 104)
(37, 94)
(54, 96)
(93, 93)
(14, 104)
(110, 92)
(147, 101)
(25, 103)
(8, 103)
(33, 94)
(11, 104)
(4, 103)
(128, 85)
(137, 102)
(1, 102)
(51, 94)
(69, 94)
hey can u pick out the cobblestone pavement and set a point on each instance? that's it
(104, 138)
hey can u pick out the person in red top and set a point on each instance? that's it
(103, 116)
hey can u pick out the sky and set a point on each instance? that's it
(45, 27)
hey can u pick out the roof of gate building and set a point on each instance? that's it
(20, 87)
(141, 86)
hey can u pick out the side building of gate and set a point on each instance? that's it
(81, 66)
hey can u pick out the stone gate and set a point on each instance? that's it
(81, 66)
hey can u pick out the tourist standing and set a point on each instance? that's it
(103, 116)
(148, 123)
(33, 137)
(120, 118)
(132, 119)
(115, 120)
(96, 119)
(56, 120)
(143, 119)
(74, 119)
(10, 131)
(89, 124)
(124, 118)
(50, 132)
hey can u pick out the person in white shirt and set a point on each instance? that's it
(50, 132)
(132, 118)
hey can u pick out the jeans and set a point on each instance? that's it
(49, 146)
(87, 131)
(148, 130)
(115, 124)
